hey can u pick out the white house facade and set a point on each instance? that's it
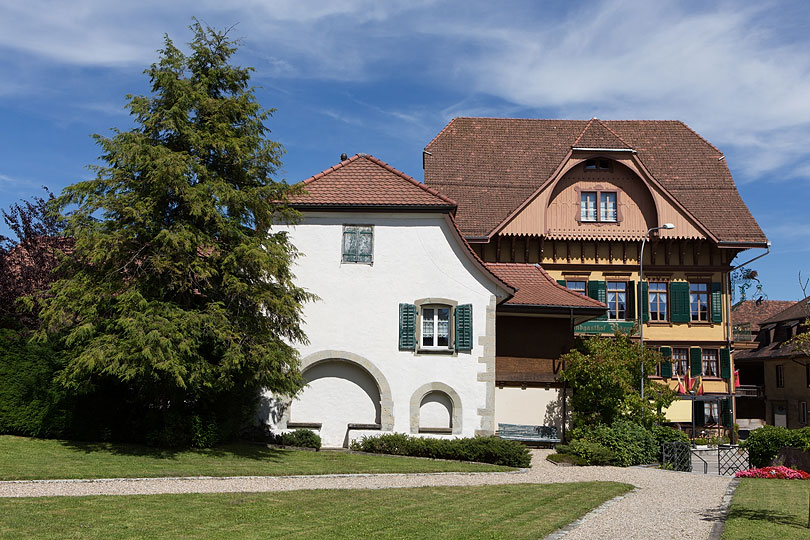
(402, 337)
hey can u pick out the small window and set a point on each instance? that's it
(803, 413)
(587, 206)
(597, 164)
(709, 357)
(358, 244)
(616, 299)
(658, 301)
(699, 301)
(680, 361)
(435, 327)
(780, 376)
(576, 286)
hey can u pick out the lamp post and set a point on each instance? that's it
(641, 296)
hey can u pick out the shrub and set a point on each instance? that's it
(701, 441)
(631, 443)
(666, 434)
(481, 449)
(591, 453)
(570, 459)
(764, 443)
(303, 438)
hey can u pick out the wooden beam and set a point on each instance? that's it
(526, 240)
(582, 251)
(624, 252)
(498, 248)
(554, 248)
(610, 252)
(681, 252)
(512, 248)
(653, 249)
(667, 251)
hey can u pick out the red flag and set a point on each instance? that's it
(736, 378)
(700, 386)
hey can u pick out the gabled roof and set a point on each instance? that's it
(596, 135)
(535, 287)
(754, 312)
(490, 166)
(797, 311)
(363, 181)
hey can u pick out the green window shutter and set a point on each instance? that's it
(643, 290)
(464, 328)
(666, 363)
(407, 327)
(679, 301)
(561, 282)
(726, 416)
(725, 363)
(598, 291)
(700, 414)
(717, 302)
(630, 309)
(697, 362)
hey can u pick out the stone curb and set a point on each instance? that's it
(720, 524)
(560, 533)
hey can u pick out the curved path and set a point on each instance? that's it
(665, 504)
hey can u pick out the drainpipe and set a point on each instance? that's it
(729, 336)
(564, 385)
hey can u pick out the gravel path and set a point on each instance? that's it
(665, 504)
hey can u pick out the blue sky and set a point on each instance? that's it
(384, 77)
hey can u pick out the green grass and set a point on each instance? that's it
(765, 508)
(28, 459)
(468, 513)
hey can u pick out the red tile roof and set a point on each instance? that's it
(536, 288)
(798, 310)
(490, 166)
(365, 181)
(753, 312)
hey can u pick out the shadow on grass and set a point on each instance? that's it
(255, 452)
(778, 518)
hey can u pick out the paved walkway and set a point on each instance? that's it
(665, 504)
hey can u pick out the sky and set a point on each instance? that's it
(384, 77)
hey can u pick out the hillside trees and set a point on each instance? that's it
(181, 303)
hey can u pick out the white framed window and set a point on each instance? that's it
(699, 301)
(711, 413)
(587, 206)
(358, 244)
(577, 286)
(658, 300)
(680, 361)
(435, 327)
(616, 300)
(709, 357)
(607, 206)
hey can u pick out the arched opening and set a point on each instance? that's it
(338, 393)
(436, 412)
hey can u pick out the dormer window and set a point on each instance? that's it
(608, 208)
(597, 164)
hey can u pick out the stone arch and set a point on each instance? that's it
(436, 387)
(386, 400)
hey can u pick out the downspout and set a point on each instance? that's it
(729, 335)
(564, 385)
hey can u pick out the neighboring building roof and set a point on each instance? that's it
(536, 288)
(797, 311)
(490, 166)
(754, 312)
(365, 181)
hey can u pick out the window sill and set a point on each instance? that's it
(436, 351)
(436, 430)
(658, 323)
(701, 323)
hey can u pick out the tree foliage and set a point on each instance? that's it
(179, 289)
(605, 376)
(27, 261)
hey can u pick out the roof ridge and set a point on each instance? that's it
(581, 133)
(410, 179)
(330, 169)
(607, 127)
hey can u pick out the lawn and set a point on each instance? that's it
(765, 508)
(24, 458)
(469, 513)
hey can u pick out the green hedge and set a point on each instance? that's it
(481, 449)
(623, 443)
(764, 443)
(666, 434)
(303, 438)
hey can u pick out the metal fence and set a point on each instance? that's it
(731, 459)
(677, 456)
(680, 456)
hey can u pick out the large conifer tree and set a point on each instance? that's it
(181, 292)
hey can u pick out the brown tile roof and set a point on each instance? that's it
(753, 312)
(799, 310)
(365, 181)
(492, 165)
(536, 288)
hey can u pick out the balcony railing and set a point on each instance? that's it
(749, 390)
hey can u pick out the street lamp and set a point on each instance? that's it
(641, 297)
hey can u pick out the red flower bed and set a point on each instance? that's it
(781, 472)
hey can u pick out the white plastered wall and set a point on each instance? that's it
(533, 406)
(416, 257)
